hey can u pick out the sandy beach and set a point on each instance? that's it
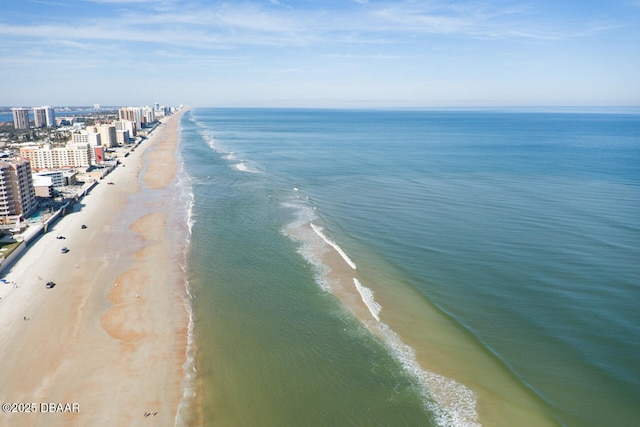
(106, 346)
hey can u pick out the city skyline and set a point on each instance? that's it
(355, 53)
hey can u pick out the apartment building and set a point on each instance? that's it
(86, 137)
(127, 126)
(108, 135)
(39, 117)
(47, 157)
(132, 114)
(44, 116)
(17, 194)
(20, 118)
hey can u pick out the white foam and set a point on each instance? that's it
(186, 195)
(452, 404)
(320, 270)
(189, 380)
(190, 219)
(210, 140)
(298, 231)
(186, 199)
(304, 213)
(367, 297)
(334, 245)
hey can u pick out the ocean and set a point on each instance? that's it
(413, 267)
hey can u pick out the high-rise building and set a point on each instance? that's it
(17, 195)
(122, 137)
(132, 114)
(51, 116)
(108, 135)
(40, 117)
(20, 118)
(85, 137)
(52, 158)
(147, 115)
(128, 126)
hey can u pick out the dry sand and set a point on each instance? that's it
(110, 338)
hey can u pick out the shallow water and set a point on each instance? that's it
(498, 250)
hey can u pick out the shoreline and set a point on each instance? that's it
(114, 353)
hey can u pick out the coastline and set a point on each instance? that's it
(110, 338)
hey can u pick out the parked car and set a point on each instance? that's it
(64, 250)
(60, 237)
(49, 285)
(83, 226)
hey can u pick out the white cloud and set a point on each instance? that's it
(376, 41)
(250, 24)
(121, 1)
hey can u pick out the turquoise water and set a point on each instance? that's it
(499, 251)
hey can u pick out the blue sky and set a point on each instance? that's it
(348, 53)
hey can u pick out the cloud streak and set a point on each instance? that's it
(224, 25)
(387, 44)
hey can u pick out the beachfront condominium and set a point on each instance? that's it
(107, 134)
(141, 116)
(90, 136)
(127, 126)
(44, 116)
(20, 118)
(148, 115)
(132, 114)
(17, 194)
(72, 156)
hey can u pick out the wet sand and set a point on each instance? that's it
(110, 338)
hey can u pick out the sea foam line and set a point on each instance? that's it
(452, 404)
(242, 166)
(367, 297)
(297, 231)
(334, 245)
(186, 198)
(189, 365)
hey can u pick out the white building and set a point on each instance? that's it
(20, 118)
(40, 117)
(126, 125)
(160, 112)
(122, 137)
(86, 137)
(43, 186)
(44, 116)
(147, 115)
(52, 158)
(132, 114)
(51, 116)
(56, 178)
(108, 135)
